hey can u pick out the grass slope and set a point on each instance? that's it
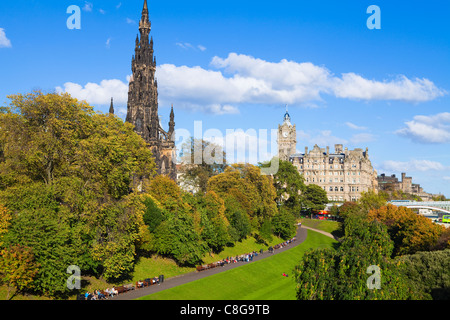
(260, 280)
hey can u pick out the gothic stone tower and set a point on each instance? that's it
(143, 102)
(287, 140)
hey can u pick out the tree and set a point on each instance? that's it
(240, 226)
(289, 185)
(153, 214)
(283, 224)
(67, 175)
(327, 274)
(428, 273)
(409, 231)
(214, 231)
(370, 200)
(17, 268)
(5, 219)
(201, 160)
(254, 191)
(166, 192)
(314, 197)
(177, 237)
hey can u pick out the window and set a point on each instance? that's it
(336, 189)
(139, 124)
(342, 189)
(331, 188)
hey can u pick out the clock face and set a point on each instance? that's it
(285, 134)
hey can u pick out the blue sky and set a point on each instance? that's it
(236, 64)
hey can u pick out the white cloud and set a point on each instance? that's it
(446, 178)
(108, 43)
(428, 129)
(187, 46)
(88, 6)
(326, 139)
(102, 11)
(130, 21)
(100, 94)
(353, 86)
(362, 138)
(119, 5)
(241, 79)
(413, 165)
(4, 41)
(354, 126)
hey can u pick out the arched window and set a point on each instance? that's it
(139, 124)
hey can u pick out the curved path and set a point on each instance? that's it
(195, 275)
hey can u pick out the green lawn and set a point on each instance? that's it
(260, 280)
(324, 225)
(156, 265)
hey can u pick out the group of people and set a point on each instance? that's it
(111, 292)
(242, 258)
(281, 245)
(101, 295)
(147, 282)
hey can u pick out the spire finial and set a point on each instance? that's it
(111, 108)
(145, 21)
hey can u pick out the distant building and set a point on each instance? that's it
(343, 174)
(391, 183)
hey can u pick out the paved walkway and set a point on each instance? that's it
(195, 275)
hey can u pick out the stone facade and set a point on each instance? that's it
(343, 174)
(287, 138)
(142, 109)
(392, 183)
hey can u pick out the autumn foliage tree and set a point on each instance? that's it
(17, 268)
(254, 191)
(342, 274)
(409, 231)
(67, 176)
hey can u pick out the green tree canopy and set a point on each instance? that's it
(314, 197)
(289, 185)
(66, 178)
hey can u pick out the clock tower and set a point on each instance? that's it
(287, 138)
